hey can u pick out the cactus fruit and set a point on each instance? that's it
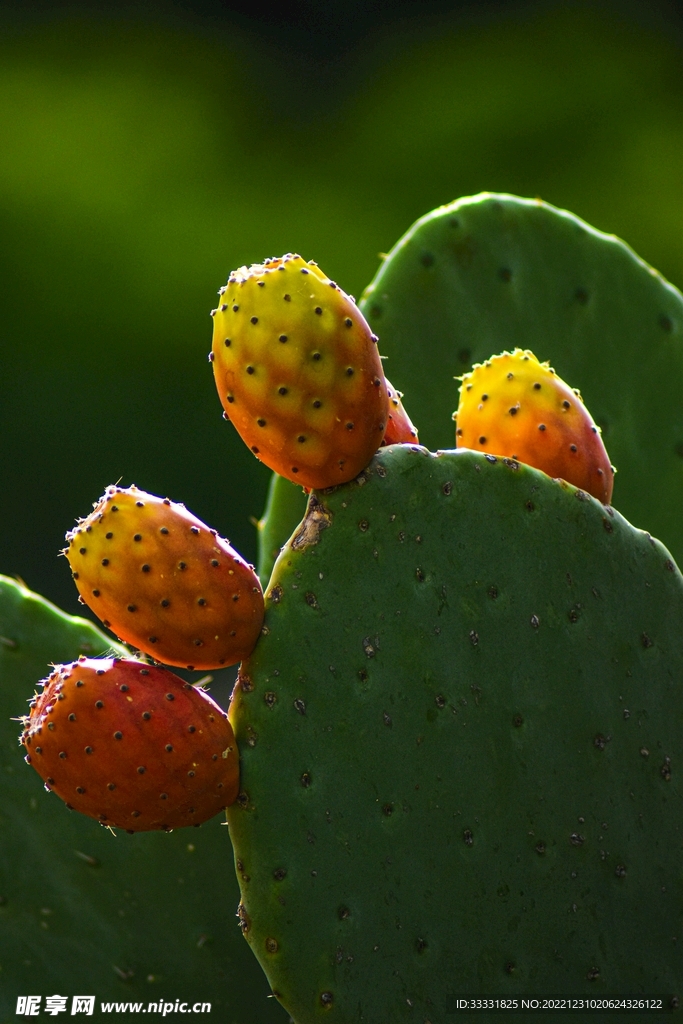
(164, 582)
(399, 429)
(459, 738)
(512, 405)
(298, 371)
(131, 745)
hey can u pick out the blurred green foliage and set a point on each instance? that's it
(141, 162)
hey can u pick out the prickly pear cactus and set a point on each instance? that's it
(494, 272)
(460, 739)
(81, 910)
(459, 730)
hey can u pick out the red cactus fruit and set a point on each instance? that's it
(131, 745)
(399, 429)
(298, 372)
(164, 582)
(516, 407)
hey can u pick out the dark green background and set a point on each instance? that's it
(146, 152)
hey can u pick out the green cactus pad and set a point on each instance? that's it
(126, 918)
(285, 507)
(493, 272)
(461, 747)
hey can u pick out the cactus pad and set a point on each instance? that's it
(460, 744)
(285, 507)
(495, 272)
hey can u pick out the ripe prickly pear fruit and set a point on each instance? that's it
(516, 407)
(164, 582)
(298, 372)
(131, 745)
(399, 429)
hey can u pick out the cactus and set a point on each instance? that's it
(458, 729)
(458, 739)
(128, 918)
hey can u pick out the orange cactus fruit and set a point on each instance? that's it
(164, 582)
(298, 372)
(516, 407)
(399, 429)
(131, 745)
